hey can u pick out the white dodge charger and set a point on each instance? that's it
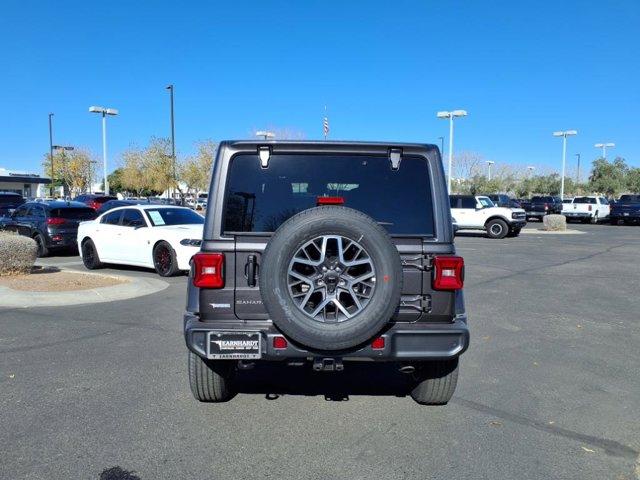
(163, 237)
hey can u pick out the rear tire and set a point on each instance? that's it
(436, 382)
(497, 229)
(90, 257)
(594, 219)
(43, 251)
(211, 381)
(164, 259)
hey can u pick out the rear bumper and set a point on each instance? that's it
(402, 342)
(62, 240)
(625, 215)
(577, 214)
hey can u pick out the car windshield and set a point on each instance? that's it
(173, 216)
(486, 202)
(261, 199)
(73, 213)
(584, 200)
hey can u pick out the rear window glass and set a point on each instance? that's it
(584, 200)
(73, 213)
(630, 198)
(11, 200)
(103, 199)
(260, 200)
(542, 199)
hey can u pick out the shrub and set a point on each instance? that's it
(17, 254)
(554, 222)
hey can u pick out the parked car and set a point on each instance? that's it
(53, 225)
(111, 204)
(479, 213)
(9, 201)
(93, 200)
(588, 209)
(152, 236)
(543, 205)
(300, 266)
(503, 200)
(626, 209)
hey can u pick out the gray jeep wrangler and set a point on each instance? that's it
(320, 254)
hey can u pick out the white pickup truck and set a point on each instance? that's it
(586, 209)
(478, 212)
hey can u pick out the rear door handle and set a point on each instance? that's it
(250, 269)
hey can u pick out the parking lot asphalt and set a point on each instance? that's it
(548, 389)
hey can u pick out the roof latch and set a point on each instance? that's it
(265, 153)
(395, 155)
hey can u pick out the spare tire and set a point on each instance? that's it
(330, 278)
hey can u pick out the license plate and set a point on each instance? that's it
(235, 345)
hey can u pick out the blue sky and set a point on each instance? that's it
(521, 69)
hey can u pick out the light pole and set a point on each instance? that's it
(64, 163)
(441, 146)
(604, 147)
(104, 111)
(173, 136)
(489, 163)
(266, 134)
(450, 116)
(564, 134)
(578, 169)
(51, 151)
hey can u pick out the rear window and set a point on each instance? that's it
(101, 200)
(73, 213)
(584, 200)
(630, 198)
(11, 200)
(260, 200)
(542, 199)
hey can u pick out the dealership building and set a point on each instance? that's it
(26, 184)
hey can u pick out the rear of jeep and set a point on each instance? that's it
(316, 255)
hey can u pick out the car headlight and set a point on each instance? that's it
(191, 242)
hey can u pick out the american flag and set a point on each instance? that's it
(325, 126)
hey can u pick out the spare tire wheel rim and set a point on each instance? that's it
(331, 278)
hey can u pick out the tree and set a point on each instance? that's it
(115, 180)
(608, 177)
(133, 176)
(195, 172)
(633, 180)
(159, 167)
(73, 170)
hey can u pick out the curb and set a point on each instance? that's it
(551, 232)
(133, 288)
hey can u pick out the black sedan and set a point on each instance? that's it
(53, 225)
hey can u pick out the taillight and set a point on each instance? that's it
(448, 272)
(378, 344)
(546, 207)
(208, 270)
(280, 343)
(330, 201)
(590, 207)
(55, 221)
(94, 205)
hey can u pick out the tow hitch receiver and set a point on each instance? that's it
(327, 365)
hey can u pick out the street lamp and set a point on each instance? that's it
(564, 134)
(173, 138)
(489, 163)
(450, 116)
(104, 111)
(266, 134)
(441, 145)
(604, 147)
(578, 169)
(51, 151)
